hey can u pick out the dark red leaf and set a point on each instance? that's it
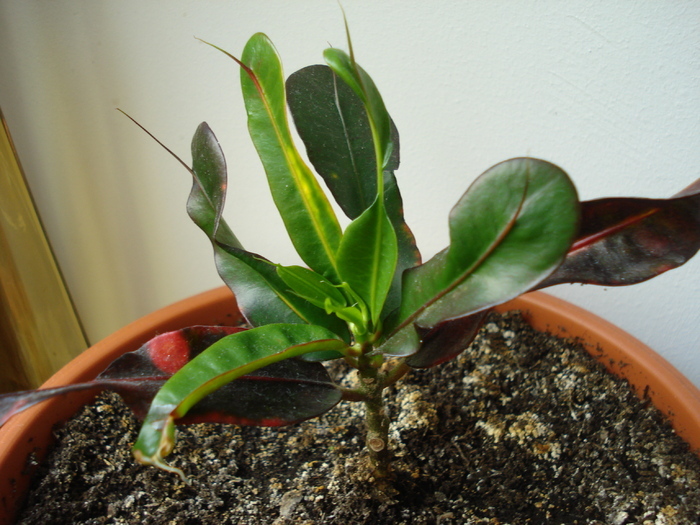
(626, 241)
(16, 402)
(447, 340)
(279, 394)
(165, 354)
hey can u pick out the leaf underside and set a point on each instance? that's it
(447, 340)
(625, 241)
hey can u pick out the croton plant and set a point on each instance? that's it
(363, 295)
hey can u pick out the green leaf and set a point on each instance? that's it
(263, 297)
(206, 201)
(508, 232)
(279, 394)
(311, 286)
(305, 210)
(363, 86)
(408, 254)
(228, 359)
(367, 257)
(376, 226)
(332, 122)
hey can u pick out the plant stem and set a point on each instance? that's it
(377, 421)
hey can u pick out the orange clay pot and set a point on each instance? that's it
(30, 432)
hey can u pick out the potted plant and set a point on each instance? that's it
(365, 298)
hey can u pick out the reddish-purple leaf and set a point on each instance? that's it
(16, 402)
(279, 394)
(447, 340)
(626, 241)
(166, 353)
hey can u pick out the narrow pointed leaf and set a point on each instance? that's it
(305, 210)
(261, 299)
(625, 241)
(311, 286)
(367, 257)
(333, 124)
(332, 121)
(16, 402)
(508, 232)
(362, 84)
(228, 359)
(261, 296)
(206, 201)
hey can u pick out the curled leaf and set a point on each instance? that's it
(625, 241)
(508, 232)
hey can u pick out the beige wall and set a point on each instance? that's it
(607, 90)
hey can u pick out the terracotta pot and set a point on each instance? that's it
(30, 432)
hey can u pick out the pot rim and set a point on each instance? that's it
(623, 355)
(672, 392)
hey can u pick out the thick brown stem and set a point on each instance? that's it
(377, 421)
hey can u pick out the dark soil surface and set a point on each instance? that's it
(520, 429)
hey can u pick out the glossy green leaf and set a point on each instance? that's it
(279, 394)
(333, 124)
(332, 121)
(311, 286)
(508, 232)
(263, 297)
(315, 289)
(408, 254)
(364, 88)
(226, 360)
(367, 257)
(206, 201)
(305, 210)
(362, 84)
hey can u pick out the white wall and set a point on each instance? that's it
(607, 90)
